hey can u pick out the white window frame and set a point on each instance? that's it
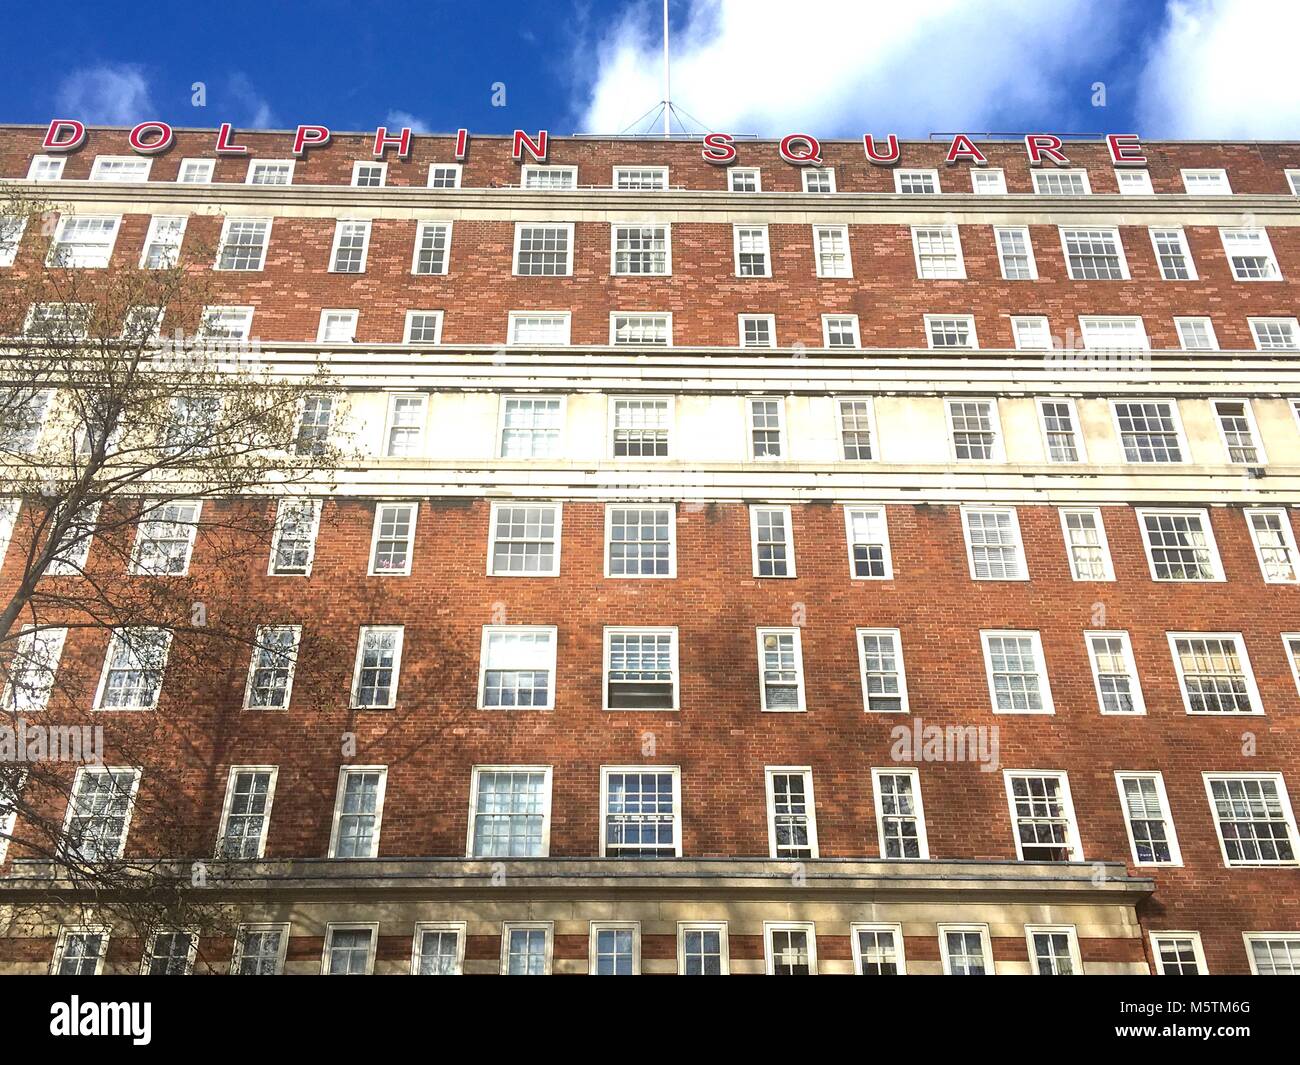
(515, 316)
(670, 418)
(1186, 253)
(804, 771)
(895, 930)
(31, 675)
(61, 945)
(147, 519)
(843, 231)
(1265, 249)
(39, 162)
(672, 539)
(1288, 816)
(1216, 560)
(241, 937)
(734, 172)
(280, 516)
(488, 630)
(205, 167)
(933, 319)
(1097, 339)
(983, 932)
(1158, 779)
(1198, 951)
(614, 227)
(340, 226)
(339, 793)
(389, 426)
(674, 668)
(1076, 429)
(1031, 263)
(452, 168)
(724, 951)
(923, 174)
(1248, 674)
(807, 927)
(568, 227)
(896, 634)
(789, 540)
(231, 776)
(1040, 666)
(1256, 321)
(1288, 539)
(1215, 176)
(255, 165)
(1072, 841)
(151, 238)
(1130, 665)
(530, 170)
(661, 173)
(503, 410)
(108, 663)
(1189, 319)
(771, 331)
(103, 770)
(998, 183)
(960, 275)
(241, 316)
(350, 926)
(970, 549)
(1102, 542)
(922, 840)
(995, 421)
(226, 225)
(369, 164)
(1134, 182)
(541, 926)
(594, 929)
(1175, 416)
(1248, 412)
(1292, 656)
(291, 666)
(1121, 256)
(512, 504)
(420, 227)
(1074, 172)
(406, 328)
(380, 504)
(672, 770)
(783, 436)
(547, 784)
(1250, 938)
(1072, 941)
(767, 247)
(666, 316)
(146, 960)
(104, 162)
(888, 558)
(73, 263)
(457, 928)
(345, 314)
(826, 332)
(800, 689)
(1019, 335)
(355, 691)
(828, 172)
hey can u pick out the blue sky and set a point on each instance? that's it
(1192, 68)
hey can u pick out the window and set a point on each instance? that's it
(791, 949)
(170, 954)
(831, 244)
(526, 949)
(780, 669)
(369, 175)
(1250, 255)
(524, 540)
(751, 249)
(900, 818)
(1173, 255)
(1015, 253)
(856, 429)
(1147, 819)
(1114, 673)
(771, 541)
(1253, 817)
(294, 542)
(358, 811)
(840, 331)
(1054, 951)
(1180, 545)
(438, 949)
(120, 168)
(246, 814)
(1134, 182)
(444, 176)
(953, 331)
(99, 812)
(162, 244)
(993, 544)
(878, 948)
(164, 538)
(517, 666)
(1293, 180)
(988, 181)
(11, 236)
(818, 179)
(1112, 334)
(46, 168)
(1196, 334)
(393, 539)
(193, 421)
(1178, 954)
(80, 952)
(757, 330)
(379, 660)
(744, 179)
(9, 809)
(641, 250)
(649, 329)
(1094, 254)
(539, 328)
(1061, 435)
(351, 242)
(1275, 334)
(916, 182)
(1273, 953)
(1085, 544)
(1031, 333)
(549, 177)
(1291, 641)
(1214, 673)
(8, 516)
(195, 171)
(423, 327)
(640, 541)
(938, 252)
(614, 949)
(74, 547)
(530, 427)
(271, 666)
(405, 432)
(880, 663)
(640, 178)
(1236, 423)
(133, 669)
(226, 323)
(432, 248)
(1042, 816)
(766, 415)
(31, 674)
(269, 172)
(791, 813)
(1206, 183)
(973, 425)
(867, 533)
(315, 417)
(965, 950)
(702, 949)
(1270, 531)
(243, 244)
(1017, 672)
(640, 428)
(640, 812)
(510, 812)
(83, 241)
(543, 250)
(1149, 431)
(260, 950)
(24, 418)
(349, 950)
(641, 669)
(1061, 182)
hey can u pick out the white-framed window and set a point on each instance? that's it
(1094, 254)
(196, 171)
(517, 667)
(780, 670)
(757, 330)
(753, 258)
(1291, 642)
(640, 178)
(1250, 254)
(392, 541)
(444, 176)
(841, 331)
(162, 244)
(549, 177)
(379, 662)
(641, 671)
(526, 948)
(1149, 430)
(880, 667)
(192, 421)
(771, 541)
(950, 331)
(524, 540)
(1109, 333)
(1180, 545)
(1031, 333)
(1017, 672)
(1275, 334)
(358, 811)
(9, 809)
(974, 430)
(84, 241)
(12, 229)
(1172, 253)
(8, 517)
(818, 179)
(1147, 819)
(438, 948)
(640, 812)
(142, 325)
(640, 427)
(1275, 547)
(243, 244)
(164, 538)
(1053, 950)
(125, 168)
(432, 248)
(80, 951)
(766, 427)
(543, 249)
(635, 328)
(1085, 544)
(46, 168)
(337, 326)
(744, 179)
(857, 425)
(1134, 182)
(99, 812)
(900, 816)
(988, 181)
(351, 245)
(1042, 816)
(1273, 953)
(367, 174)
(1237, 430)
(1196, 333)
(640, 249)
(1253, 817)
(170, 953)
(993, 544)
(349, 949)
(640, 540)
(404, 432)
(1206, 183)
(246, 812)
(614, 948)
(1214, 673)
(509, 811)
(1114, 673)
(1061, 183)
(1015, 253)
(226, 323)
(790, 948)
(260, 950)
(31, 674)
(1062, 438)
(866, 531)
(539, 328)
(269, 172)
(831, 246)
(531, 426)
(74, 548)
(965, 950)
(1178, 954)
(878, 949)
(133, 669)
(293, 544)
(791, 813)
(917, 182)
(938, 252)
(702, 948)
(1293, 181)
(423, 327)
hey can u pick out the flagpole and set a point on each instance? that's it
(668, 94)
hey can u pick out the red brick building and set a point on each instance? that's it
(752, 567)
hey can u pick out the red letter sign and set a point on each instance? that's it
(535, 148)
(224, 146)
(384, 141)
(309, 137)
(161, 142)
(1039, 145)
(718, 148)
(1125, 149)
(869, 142)
(462, 143)
(810, 154)
(964, 148)
(54, 142)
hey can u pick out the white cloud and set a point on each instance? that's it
(1223, 68)
(112, 94)
(844, 67)
(403, 119)
(256, 112)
